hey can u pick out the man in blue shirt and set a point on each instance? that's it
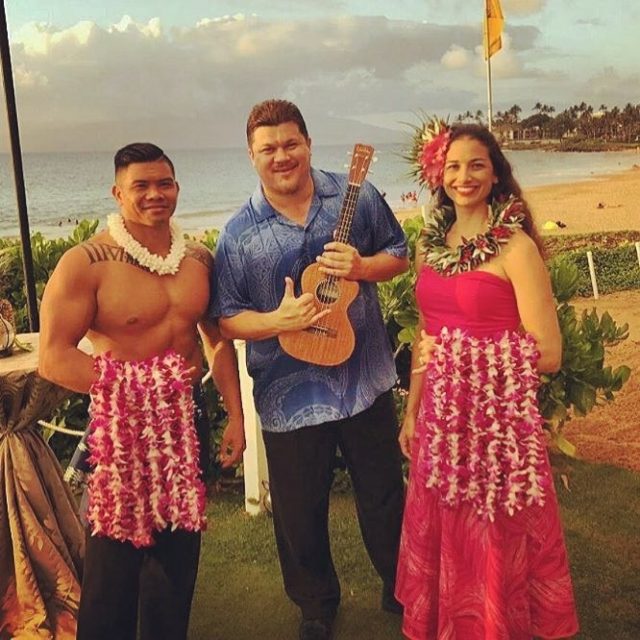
(308, 410)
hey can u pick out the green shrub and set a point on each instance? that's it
(558, 244)
(71, 414)
(210, 238)
(46, 253)
(616, 269)
(583, 380)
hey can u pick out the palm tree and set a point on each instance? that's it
(629, 120)
(514, 113)
(462, 117)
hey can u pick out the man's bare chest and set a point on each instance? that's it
(128, 295)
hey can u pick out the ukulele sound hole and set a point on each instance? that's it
(327, 292)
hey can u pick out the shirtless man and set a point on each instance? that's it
(139, 293)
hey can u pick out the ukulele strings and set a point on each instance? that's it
(342, 235)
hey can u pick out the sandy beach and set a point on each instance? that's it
(605, 203)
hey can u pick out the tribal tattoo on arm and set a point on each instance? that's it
(98, 252)
(200, 253)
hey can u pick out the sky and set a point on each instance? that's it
(97, 74)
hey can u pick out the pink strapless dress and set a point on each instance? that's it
(482, 555)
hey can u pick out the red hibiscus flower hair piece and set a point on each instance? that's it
(430, 144)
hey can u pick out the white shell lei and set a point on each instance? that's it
(155, 263)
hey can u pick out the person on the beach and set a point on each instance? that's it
(139, 292)
(482, 552)
(308, 410)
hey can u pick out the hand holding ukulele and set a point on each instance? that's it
(341, 260)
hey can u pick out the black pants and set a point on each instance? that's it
(118, 578)
(300, 476)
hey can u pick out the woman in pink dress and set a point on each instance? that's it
(482, 554)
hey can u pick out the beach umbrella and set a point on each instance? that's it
(16, 157)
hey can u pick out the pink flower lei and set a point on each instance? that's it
(144, 450)
(480, 425)
(505, 217)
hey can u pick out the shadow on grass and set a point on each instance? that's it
(239, 595)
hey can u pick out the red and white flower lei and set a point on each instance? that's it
(144, 449)
(480, 428)
(504, 218)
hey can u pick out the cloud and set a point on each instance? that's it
(206, 77)
(504, 64)
(608, 86)
(523, 7)
(40, 39)
(89, 86)
(456, 58)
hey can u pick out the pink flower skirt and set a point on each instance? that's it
(144, 450)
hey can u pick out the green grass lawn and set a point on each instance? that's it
(239, 595)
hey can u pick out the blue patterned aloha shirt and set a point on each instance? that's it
(256, 250)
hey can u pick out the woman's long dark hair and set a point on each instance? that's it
(507, 185)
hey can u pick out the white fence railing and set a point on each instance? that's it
(256, 476)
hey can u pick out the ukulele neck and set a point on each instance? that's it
(345, 220)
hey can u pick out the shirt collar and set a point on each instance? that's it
(323, 187)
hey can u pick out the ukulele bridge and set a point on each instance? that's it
(319, 330)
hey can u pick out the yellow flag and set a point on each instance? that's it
(493, 25)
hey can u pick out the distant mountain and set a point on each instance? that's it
(189, 132)
(332, 130)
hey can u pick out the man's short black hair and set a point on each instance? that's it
(140, 152)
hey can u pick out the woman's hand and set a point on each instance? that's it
(425, 351)
(407, 433)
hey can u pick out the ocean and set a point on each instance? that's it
(65, 187)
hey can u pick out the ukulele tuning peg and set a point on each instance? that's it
(346, 166)
(374, 159)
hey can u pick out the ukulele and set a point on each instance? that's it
(331, 340)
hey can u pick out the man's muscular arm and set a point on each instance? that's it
(223, 364)
(66, 314)
(221, 356)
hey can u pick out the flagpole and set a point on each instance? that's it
(489, 97)
(486, 53)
